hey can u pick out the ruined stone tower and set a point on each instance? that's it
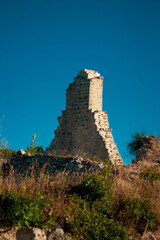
(83, 127)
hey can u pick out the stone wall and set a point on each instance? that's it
(83, 127)
(23, 164)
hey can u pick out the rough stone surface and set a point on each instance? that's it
(7, 234)
(145, 236)
(21, 152)
(57, 234)
(53, 165)
(150, 151)
(83, 127)
(30, 234)
(148, 236)
(25, 233)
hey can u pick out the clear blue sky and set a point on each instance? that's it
(43, 45)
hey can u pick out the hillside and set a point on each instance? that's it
(82, 198)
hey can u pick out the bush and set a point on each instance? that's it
(153, 175)
(94, 221)
(33, 148)
(23, 211)
(136, 213)
(6, 152)
(92, 188)
(90, 209)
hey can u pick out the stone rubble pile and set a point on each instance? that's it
(34, 233)
(22, 163)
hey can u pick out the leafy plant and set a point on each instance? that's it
(94, 221)
(92, 188)
(136, 213)
(33, 148)
(90, 209)
(23, 211)
(153, 175)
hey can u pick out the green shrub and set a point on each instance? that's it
(90, 209)
(23, 211)
(95, 186)
(6, 152)
(33, 148)
(92, 188)
(94, 221)
(136, 213)
(153, 175)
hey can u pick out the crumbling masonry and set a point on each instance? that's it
(83, 127)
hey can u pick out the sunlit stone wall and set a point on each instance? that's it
(83, 127)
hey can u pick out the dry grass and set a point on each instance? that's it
(128, 182)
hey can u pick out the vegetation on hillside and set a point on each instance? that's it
(97, 206)
(7, 152)
(108, 205)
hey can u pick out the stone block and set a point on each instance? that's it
(89, 74)
(56, 234)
